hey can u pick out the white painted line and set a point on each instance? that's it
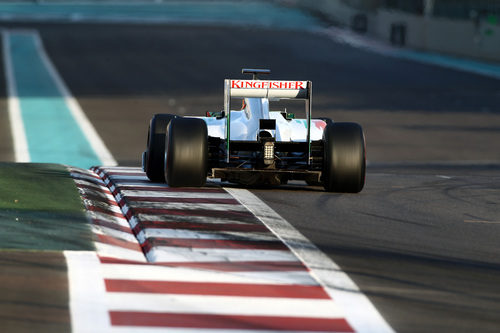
(83, 122)
(87, 293)
(109, 208)
(193, 234)
(163, 273)
(108, 218)
(100, 196)
(162, 194)
(180, 218)
(122, 222)
(130, 329)
(94, 190)
(87, 178)
(184, 206)
(181, 254)
(359, 311)
(144, 329)
(135, 183)
(21, 150)
(123, 169)
(112, 251)
(224, 305)
(87, 182)
(117, 178)
(121, 235)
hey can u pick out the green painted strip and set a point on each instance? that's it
(52, 133)
(41, 209)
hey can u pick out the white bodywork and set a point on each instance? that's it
(245, 124)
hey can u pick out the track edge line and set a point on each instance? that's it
(361, 313)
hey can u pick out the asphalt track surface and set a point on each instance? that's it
(421, 240)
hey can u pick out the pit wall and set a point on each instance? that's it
(463, 38)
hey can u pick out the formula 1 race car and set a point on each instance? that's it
(256, 145)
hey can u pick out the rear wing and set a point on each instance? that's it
(301, 90)
(267, 89)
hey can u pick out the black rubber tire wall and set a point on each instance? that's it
(155, 151)
(344, 165)
(186, 152)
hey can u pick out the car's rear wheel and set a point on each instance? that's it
(186, 152)
(344, 158)
(154, 156)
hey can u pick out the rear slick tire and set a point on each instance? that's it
(186, 153)
(344, 158)
(154, 156)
